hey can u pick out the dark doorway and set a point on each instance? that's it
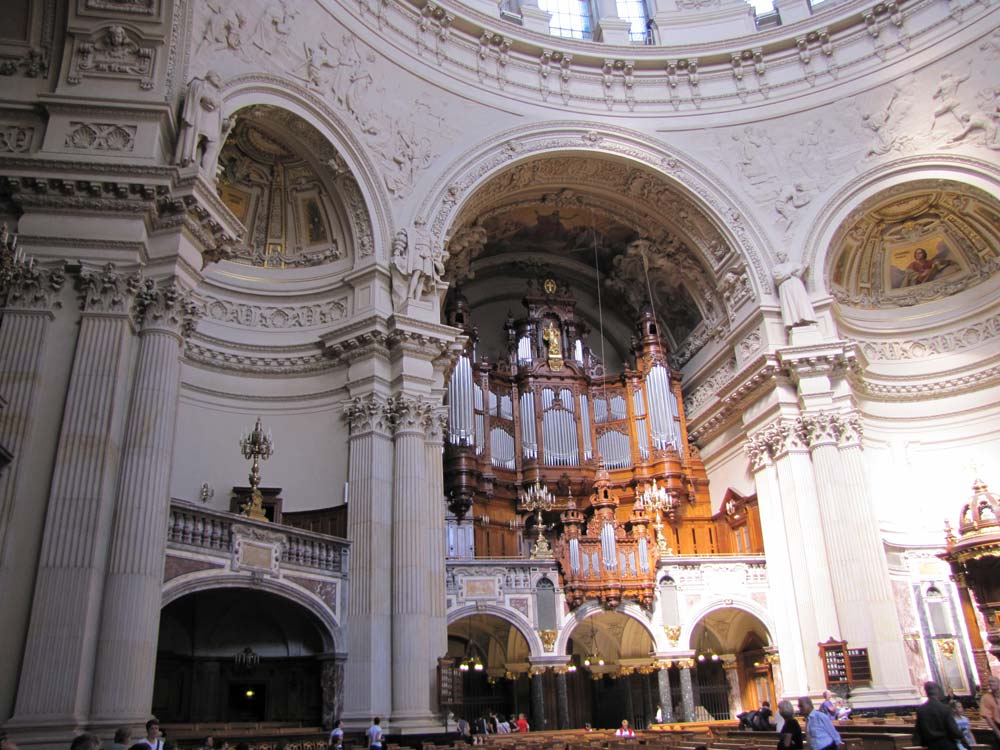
(247, 701)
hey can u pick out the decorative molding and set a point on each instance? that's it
(112, 52)
(16, 139)
(246, 363)
(940, 387)
(933, 345)
(131, 7)
(710, 387)
(275, 317)
(101, 136)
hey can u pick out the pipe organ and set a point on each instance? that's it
(612, 448)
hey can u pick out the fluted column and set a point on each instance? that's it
(31, 297)
(666, 698)
(774, 659)
(856, 551)
(57, 672)
(781, 594)
(126, 652)
(437, 644)
(687, 690)
(411, 549)
(369, 670)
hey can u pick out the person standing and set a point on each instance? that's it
(828, 706)
(962, 722)
(337, 736)
(123, 739)
(522, 723)
(791, 733)
(989, 710)
(936, 728)
(374, 734)
(819, 727)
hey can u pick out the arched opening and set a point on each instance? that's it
(493, 658)
(292, 191)
(615, 677)
(239, 655)
(733, 672)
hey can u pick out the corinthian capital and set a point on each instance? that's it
(408, 414)
(366, 414)
(756, 450)
(851, 430)
(32, 287)
(108, 290)
(166, 307)
(819, 429)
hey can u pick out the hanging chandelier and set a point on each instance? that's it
(470, 661)
(538, 497)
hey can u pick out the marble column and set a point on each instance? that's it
(411, 542)
(24, 336)
(126, 650)
(687, 690)
(647, 697)
(629, 708)
(332, 687)
(781, 597)
(437, 645)
(537, 701)
(562, 699)
(979, 657)
(774, 659)
(731, 667)
(666, 698)
(65, 614)
(857, 550)
(369, 528)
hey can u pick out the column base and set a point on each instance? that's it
(54, 733)
(417, 723)
(883, 697)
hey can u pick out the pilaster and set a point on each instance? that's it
(123, 681)
(62, 635)
(32, 298)
(369, 528)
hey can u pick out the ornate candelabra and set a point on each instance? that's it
(256, 445)
(660, 500)
(538, 498)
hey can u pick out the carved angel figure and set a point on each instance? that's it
(202, 129)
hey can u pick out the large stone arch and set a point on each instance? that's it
(591, 609)
(471, 170)
(514, 619)
(745, 604)
(248, 90)
(335, 640)
(854, 192)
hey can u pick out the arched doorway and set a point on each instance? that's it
(732, 668)
(239, 655)
(493, 656)
(614, 677)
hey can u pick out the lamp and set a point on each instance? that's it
(255, 446)
(246, 659)
(660, 499)
(537, 497)
(594, 657)
(470, 661)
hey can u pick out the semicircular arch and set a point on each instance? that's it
(590, 609)
(255, 89)
(332, 632)
(514, 619)
(744, 604)
(732, 220)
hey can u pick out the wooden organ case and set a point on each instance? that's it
(611, 447)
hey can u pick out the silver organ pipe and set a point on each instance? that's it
(501, 448)
(588, 449)
(524, 351)
(480, 420)
(662, 407)
(460, 406)
(639, 410)
(619, 409)
(528, 440)
(614, 447)
(578, 351)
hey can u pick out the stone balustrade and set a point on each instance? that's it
(212, 530)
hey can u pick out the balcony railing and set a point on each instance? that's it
(211, 530)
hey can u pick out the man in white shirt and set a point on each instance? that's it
(374, 734)
(153, 739)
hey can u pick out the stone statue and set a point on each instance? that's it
(796, 309)
(202, 130)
